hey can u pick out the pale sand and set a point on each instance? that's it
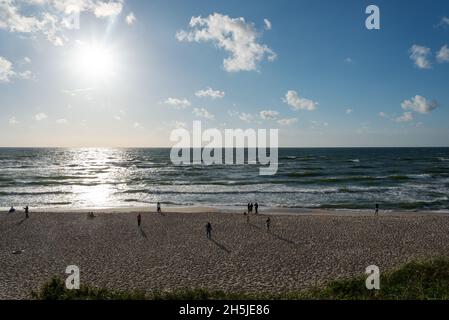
(171, 250)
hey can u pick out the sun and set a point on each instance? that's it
(95, 61)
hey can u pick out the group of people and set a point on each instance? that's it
(27, 210)
(252, 206)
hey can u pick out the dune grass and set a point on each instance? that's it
(416, 280)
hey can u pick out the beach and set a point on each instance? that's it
(170, 250)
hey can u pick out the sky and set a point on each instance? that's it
(125, 73)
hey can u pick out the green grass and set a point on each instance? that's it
(417, 280)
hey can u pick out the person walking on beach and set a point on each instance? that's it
(158, 207)
(139, 220)
(377, 210)
(26, 212)
(256, 207)
(268, 224)
(249, 208)
(209, 230)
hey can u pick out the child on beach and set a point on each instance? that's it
(12, 210)
(26, 212)
(158, 207)
(268, 224)
(139, 219)
(377, 210)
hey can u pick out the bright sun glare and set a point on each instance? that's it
(95, 61)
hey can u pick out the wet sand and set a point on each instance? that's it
(171, 250)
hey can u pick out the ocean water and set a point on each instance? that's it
(339, 178)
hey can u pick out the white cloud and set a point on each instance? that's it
(267, 24)
(203, 113)
(13, 121)
(287, 122)
(234, 35)
(443, 54)
(349, 111)
(130, 18)
(383, 115)
(246, 117)
(209, 92)
(7, 72)
(118, 118)
(27, 60)
(51, 17)
(419, 104)
(269, 114)
(107, 9)
(40, 116)
(420, 54)
(406, 117)
(298, 103)
(137, 125)
(348, 60)
(178, 103)
(444, 21)
(61, 121)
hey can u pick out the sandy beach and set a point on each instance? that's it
(171, 250)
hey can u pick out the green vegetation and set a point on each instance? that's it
(417, 280)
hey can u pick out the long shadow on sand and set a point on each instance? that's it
(274, 234)
(222, 247)
(142, 233)
(21, 221)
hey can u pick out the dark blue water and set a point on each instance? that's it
(353, 178)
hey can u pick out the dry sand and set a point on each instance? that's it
(171, 250)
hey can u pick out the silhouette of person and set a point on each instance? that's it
(158, 207)
(268, 224)
(139, 219)
(26, 212)
(377, 209)
(209, 230)
(256, 207)
(12, 210)
(249, 207)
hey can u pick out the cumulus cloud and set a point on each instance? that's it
(130, 18)
(178, 103)
(209, 92)
(7, 72)
(419, 104)
(243, 116)
(297, 103)
(269, 114)
(40, 116)
(406, 117)
(420, 55)
(13, 121)
(267, 24)
(61, 121)
(287, 122)
(443, 54)
(444, 21)
(51, 17)
(234, 35)
(203, 113)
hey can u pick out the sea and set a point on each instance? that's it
(406, 179)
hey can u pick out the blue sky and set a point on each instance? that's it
(135, 70)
